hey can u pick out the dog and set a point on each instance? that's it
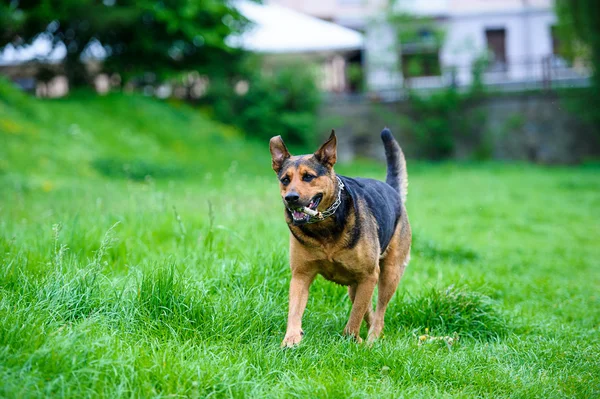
(352, 231)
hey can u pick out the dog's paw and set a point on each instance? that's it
(372, 338)
(375, 332)
(292, 340)
(354, 335)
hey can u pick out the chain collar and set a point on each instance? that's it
(331, 210)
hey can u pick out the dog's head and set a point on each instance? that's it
(305, 180)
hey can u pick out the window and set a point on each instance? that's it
(496, 44)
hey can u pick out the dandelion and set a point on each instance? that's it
(47, 186)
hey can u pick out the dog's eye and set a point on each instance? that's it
(285, 181)
(307, 178)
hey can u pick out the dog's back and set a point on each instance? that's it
(384, 200)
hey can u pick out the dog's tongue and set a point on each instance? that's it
(298, 215)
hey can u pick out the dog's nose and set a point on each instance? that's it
(292, 197)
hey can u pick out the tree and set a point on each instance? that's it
(138, 36)
(419, 40)
(284, 101)
(579, 28)
(579, 31)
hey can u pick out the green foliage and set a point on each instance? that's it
(138, 36)
(478, 68)
(419, 40)
(421, 64)
(356, 77)
(438, 120)
(434, 120)
(284, 102)
(193, 303)
(436, 123)
(415, 30)
(579, 31)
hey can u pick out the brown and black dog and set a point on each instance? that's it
(352, 231)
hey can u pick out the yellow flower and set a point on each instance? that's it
(10, 126)
(422, 338)
(47, 186)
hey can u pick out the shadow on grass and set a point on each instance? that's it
(430, 249)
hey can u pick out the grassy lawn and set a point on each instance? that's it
(116, 284)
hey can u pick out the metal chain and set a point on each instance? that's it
(331, 210)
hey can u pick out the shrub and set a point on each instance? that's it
(435, 122)
(284, 102)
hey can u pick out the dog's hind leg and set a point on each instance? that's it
(369, 315)
(391, 271)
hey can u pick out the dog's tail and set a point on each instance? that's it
(396, 164)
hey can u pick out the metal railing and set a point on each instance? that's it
(547, 73)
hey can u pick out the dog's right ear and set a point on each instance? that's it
(279, 153)
(327, 154)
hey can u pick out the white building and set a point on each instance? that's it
(516, 37)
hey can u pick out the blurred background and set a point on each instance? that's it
(465, 79)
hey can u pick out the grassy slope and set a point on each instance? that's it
(179, 299)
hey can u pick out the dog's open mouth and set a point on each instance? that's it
(300, 215)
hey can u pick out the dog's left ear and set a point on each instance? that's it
(327, 154)
(279, 153)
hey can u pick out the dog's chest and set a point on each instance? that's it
(338, 272)
(342, 267)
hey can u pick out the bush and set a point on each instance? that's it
(284, 102)
(435, 123)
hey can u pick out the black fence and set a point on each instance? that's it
(524, 75)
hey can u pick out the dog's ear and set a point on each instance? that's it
(327, 154)
(279, 153)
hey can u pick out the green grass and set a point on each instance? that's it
(118, 279)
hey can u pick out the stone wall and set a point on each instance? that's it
(538, 127)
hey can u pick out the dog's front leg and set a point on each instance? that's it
(360, 306)
(298, 297)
